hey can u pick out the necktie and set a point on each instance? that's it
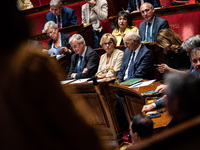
(59, 23)
(80, 64)
(130, 69)
(148, 32)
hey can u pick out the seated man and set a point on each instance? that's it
(134, 5)
(141, 127)
(62, 16)
(148, 29)
(137, 61)
(85, 61)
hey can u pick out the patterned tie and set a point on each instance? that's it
(80, 64)
(130, 69)
(148, 32)
(59, 23)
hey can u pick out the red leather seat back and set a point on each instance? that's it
(165, 3)
(185, 24)
(35, 3)
(77, 8)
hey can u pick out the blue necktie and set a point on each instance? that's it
(130, 69)
(80, 64)
(148, 32)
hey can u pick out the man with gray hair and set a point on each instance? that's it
(62, 16)
(137, 61)
(148, 29)
(85, 61)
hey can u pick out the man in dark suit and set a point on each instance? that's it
(62, 16)
(134, 5)
(85, 61)
(137, 61)
(149, 28)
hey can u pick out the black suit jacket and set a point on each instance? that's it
(65, 43)
(143, 65)
(159, 23)
(90, 61)
(132, 4)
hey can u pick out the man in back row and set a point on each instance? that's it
(62, 16)
(148, 29)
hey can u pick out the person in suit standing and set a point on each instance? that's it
(95, 11)
(148, 29)
(59, 42)
(62, 16)
(85, 61)
(137, 61)
(134, 5)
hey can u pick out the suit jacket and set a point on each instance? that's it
(159, 103)
(95, 15)
(143, 65)
(90, 61)
(115, 62)
(132, 4)
(159, 23)
(68, 17)
(65, 43)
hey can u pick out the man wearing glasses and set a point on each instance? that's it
(62, 16)
(149, 28)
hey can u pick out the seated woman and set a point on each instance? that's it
(175, 56)
(24, 4)
(123, 24)
(111, 61)
(58, 44)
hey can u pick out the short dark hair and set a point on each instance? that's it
(125, 15)
(143, 125)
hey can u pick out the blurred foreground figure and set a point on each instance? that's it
(36, 113)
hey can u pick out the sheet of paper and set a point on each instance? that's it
(66, 81)
(99, 80)
(145, 83)
(79, 81)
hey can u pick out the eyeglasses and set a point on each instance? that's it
(146, 10)
(109, 43)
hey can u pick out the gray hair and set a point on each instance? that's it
(150, 5)
(77, 37)
(56, 3)
(191, 42)
(50, 24)
(194, 52)
(133, 36)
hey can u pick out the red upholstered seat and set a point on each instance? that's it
(37, 22)
(185, 24)
(44, 2)
(106, 26)
(165, 3)
(35, 3)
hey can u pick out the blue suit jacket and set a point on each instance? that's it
(159, 23)
(69, 17)
(143, 65)
(132, 4)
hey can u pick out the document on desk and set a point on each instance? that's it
(145, 83)
(99, 80)
(66, 81)
(80, 81)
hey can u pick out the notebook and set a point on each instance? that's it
(131, 81)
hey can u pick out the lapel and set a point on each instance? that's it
(154, 28)
(76, 62)
(84, 63)
(87, 13)
(139, 55)
(128, 58)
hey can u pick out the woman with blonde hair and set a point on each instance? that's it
(111, 61)
(175, 56)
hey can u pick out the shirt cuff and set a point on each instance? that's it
(74, 75)
(154, 105)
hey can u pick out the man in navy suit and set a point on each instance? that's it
(137, 61)
(85, 61)
(62, 16)
(134, 5)
(148, 29)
